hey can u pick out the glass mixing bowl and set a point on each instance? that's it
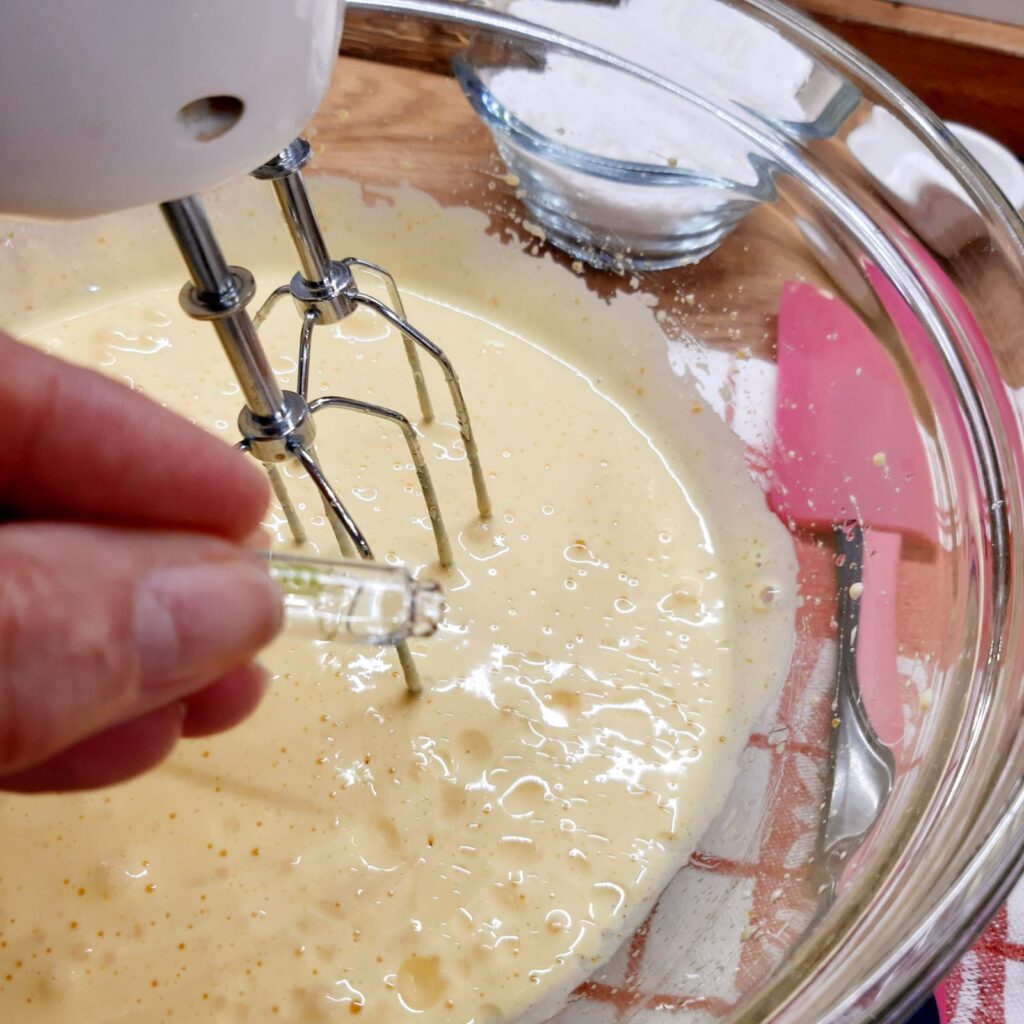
(922, 276)
(872, 828)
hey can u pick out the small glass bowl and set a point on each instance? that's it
(634, 199)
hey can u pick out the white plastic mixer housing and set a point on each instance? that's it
(118, 103)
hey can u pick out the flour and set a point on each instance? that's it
(710, 47)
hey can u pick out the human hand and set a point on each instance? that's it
(130, 607)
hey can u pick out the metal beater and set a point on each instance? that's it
(278, 426)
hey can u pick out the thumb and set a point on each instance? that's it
(98, 626)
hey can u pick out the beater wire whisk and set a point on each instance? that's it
(326, 291)
(278, 426)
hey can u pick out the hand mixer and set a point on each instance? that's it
(115, 104)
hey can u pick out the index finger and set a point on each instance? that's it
(80, 446)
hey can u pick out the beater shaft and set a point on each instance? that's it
(220, 293)
(322, 284)
(302, 223)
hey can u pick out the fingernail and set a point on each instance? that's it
(202, 618)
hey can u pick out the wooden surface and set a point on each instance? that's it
(919, 21)
(409, 43)
(965, 69)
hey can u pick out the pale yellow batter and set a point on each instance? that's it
(472, 854)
